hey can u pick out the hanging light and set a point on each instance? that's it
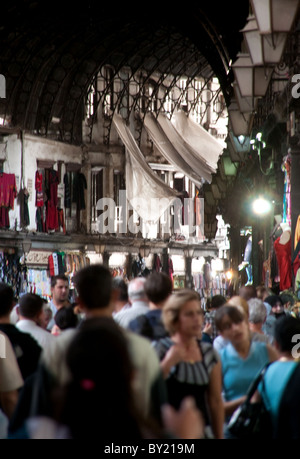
(240, 143)
(188, 251)
(274, 15)
(264, 49)
(252, 81)
(240, 123)
(246, 104)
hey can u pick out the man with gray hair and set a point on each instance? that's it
(139, 302)
(257, 317)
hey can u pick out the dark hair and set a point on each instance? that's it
(273, 299)
(217, 301)
(247, 292)
(119, 284)
(30, 305)
(158, 287)
(94, 286)
(287, 298)
(234, 313)
(65, 318)
(54, 279)
(6, 299)
(100, 391)
(285, 328)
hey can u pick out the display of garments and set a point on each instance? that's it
(297, 232)
(283, 255)
(61, 220)
(51, 205)
(4, 218)
(67, 200)
(157, 266)
(56, 263)
(8, 190)
(39, 197)
(24, 211)
(170, 268)
(8, 193)
(79, 185)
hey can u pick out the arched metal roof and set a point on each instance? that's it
(50, 51)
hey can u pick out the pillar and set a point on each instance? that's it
(105, 257)
(189, 282)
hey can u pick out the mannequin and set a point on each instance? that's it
(282, 247)
(286, 233)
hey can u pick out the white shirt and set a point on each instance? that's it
(43, 337)
(144, 358)
(10, 375)
(125, 316)
(54, 311)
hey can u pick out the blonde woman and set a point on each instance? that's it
(190, 367)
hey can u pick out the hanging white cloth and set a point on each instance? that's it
(146, 192)
(191, 156)
(170, 153)
(206, 146)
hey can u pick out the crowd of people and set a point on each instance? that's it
(140, 360)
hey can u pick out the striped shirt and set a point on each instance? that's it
(192, 373)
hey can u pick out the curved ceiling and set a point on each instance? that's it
(50, 51)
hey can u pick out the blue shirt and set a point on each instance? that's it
(238, 373)
(275, 381)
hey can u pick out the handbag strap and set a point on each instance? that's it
(254, 385)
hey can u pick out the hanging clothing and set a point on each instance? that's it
(8, 193)
(67, 199)
(24, 211)
(79, 185)
(157, 266)
(8, 190)
(283, 255)
(297, 232)
(52, 213)
(61, 220)
(170, 268)
(4, 218)
(39, 181)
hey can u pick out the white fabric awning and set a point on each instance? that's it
(202, 142)
(147, 193)
(191, 156)
(170, 153)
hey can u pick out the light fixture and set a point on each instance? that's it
(258, 144)
(144, 251)
(240, 123)
(264, 49)
(240, 143)
(246, 104)
(252, 81)
(274, 15)
(26, 245)
(188, 252)
(261, 206)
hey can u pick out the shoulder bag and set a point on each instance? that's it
(252, 420)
